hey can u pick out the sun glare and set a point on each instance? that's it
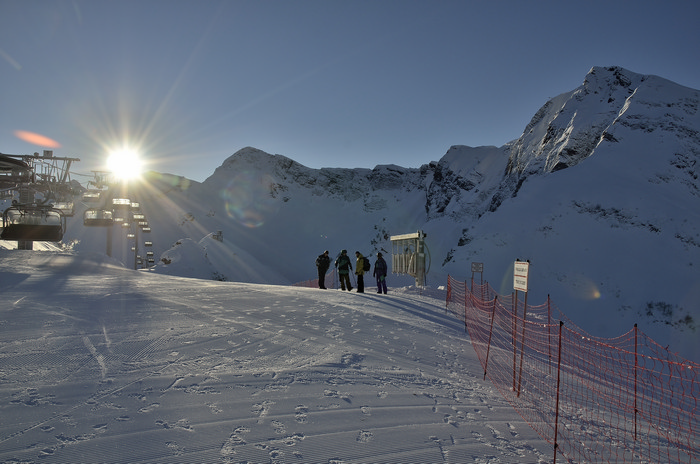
(124, 164)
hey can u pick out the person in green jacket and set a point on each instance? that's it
(360, 272)
(342, 263)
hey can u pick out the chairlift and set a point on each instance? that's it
(121, 202)
(98, 217)
(149, 254)
(66, 207)
(138, 216)
(130, 235)
(135, 205)
(92, 196)
(148, 243)
(146, 230)
(33, 223)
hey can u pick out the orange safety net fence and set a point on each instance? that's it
(331, 280)
(615, 400)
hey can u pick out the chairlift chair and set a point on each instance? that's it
(33, 223)
(92, 196)
(98, 217)
(121, 203)
(66, 207)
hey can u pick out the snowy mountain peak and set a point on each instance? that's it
(600, 192)
(569, 127)
(250, 158)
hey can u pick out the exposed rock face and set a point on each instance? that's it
(470, 181)
(601, 176)
(569, 127)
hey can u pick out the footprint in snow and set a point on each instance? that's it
(279, 427)
(301, 414)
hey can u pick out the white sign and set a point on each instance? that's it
(477, 267)
(520, 272)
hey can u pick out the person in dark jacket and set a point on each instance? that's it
(323, 262)
(344, 267)
(360, 272)
(380, 271)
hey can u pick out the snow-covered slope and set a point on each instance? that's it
(600, 193)
(102, 364)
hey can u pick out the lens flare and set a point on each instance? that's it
(36, 139)
(583, 287)
(248, 198)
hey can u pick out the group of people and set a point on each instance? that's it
(344, 266)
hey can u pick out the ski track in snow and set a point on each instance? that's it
(121, 366)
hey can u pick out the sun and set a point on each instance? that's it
(124, 164)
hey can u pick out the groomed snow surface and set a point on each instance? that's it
(103, 364)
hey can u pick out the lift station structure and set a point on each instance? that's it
(41, 197)
(408, 256)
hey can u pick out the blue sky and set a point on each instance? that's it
(326, 83)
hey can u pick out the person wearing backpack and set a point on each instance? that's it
(360, 268)
(323, 262)
(380, 271)
(344, 267)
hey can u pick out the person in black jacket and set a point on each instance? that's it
(380, 270)
(360, 272)
(323, 262)
(344, 267)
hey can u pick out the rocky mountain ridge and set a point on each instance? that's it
(602, 179)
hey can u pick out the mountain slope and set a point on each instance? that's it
(600, 192)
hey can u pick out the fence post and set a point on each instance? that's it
(549, 332)
(488, 348)
(522, 347)
(465, 303)
(449, 293)
(515, 335)
(636, 366)
(556, 407)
